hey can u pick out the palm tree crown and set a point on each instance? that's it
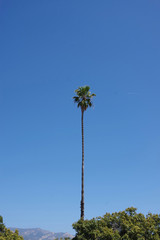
(83, 98)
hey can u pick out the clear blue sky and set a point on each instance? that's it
(47, 50)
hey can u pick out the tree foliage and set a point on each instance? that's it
(124, 225)
(83, 98)
(7, 234)
(1, 224)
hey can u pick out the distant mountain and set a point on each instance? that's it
(40, 234)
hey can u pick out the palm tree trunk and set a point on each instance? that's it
(82, 190)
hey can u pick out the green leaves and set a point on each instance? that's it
(125, 225)
(1, 224)
(7, 234)
(83, 97)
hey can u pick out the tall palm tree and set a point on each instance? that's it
(83, 99)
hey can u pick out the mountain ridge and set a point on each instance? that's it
(40, 234)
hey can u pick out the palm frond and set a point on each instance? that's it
(76, 99)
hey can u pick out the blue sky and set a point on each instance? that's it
(47, 50)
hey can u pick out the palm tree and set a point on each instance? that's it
(83, 99)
